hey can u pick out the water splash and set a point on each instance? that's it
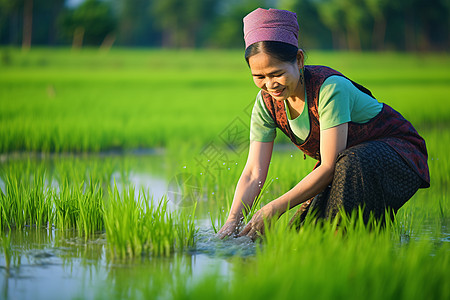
(208, 243)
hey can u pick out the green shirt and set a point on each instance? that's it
(339, 102)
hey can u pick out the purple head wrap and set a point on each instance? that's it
(271, 25)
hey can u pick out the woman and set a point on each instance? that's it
(368, 154)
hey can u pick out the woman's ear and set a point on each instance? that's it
(300, 59)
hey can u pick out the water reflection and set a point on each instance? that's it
(51, 262)
(47, 263)
(146, 172)
(153, 185)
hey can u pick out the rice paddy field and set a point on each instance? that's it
(117, 168)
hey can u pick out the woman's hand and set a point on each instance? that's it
(229, 228)
(255, 227)
(249, 185)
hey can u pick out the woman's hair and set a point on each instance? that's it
(282, 51)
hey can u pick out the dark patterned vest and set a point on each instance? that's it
(388, 126)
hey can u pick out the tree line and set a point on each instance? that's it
(405, 25)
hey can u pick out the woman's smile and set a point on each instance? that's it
(276, 93)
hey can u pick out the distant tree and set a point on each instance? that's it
(182, 21)
(313, 32)
(412, 25)
(92, 22)
(345, 18)
(332, 15)
(14, 7)
(356, 16)
(431, 20)
(227, 29)
(10, 20)
(45, 21)
(378, 11)
(27, 24)
(135, 26)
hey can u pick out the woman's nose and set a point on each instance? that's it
(271, 83)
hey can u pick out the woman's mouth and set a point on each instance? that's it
(277, 93)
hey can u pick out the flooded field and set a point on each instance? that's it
(50, 263)
(110, 189)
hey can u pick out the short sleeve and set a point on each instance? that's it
(262, 126)
(335, 102)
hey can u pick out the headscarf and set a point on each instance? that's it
(271, 25)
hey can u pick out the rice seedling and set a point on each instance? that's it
(60, 122)
(363, 257)
(219, 214)
(90, 203)
(248, 211)
(30, 200)
(66, 206)
(137, 226)
(26, 201)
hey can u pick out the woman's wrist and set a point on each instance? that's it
(235, 215)
(278, 207)
(232, 218)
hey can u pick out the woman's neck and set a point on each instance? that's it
(299, 94)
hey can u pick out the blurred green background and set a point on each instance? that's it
(409, 25)
(60, 100)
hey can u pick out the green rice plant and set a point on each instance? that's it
(169, 231)
(185, 227)
(324, 261)
(248, 211)
(30, 200)
(360, 262)
(66, 206)
(6, 211)
(38, 202)
(213, 222)
(26, 200)
(49, 115)
(136, 226)
(69, 170)
(12, 204)
(221, 215)
(90, 204)
(122, 220)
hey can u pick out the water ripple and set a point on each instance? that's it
(208, 243)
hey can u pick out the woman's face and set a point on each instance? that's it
(280, 79)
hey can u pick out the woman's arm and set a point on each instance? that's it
(249, 185)
(332, 141)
